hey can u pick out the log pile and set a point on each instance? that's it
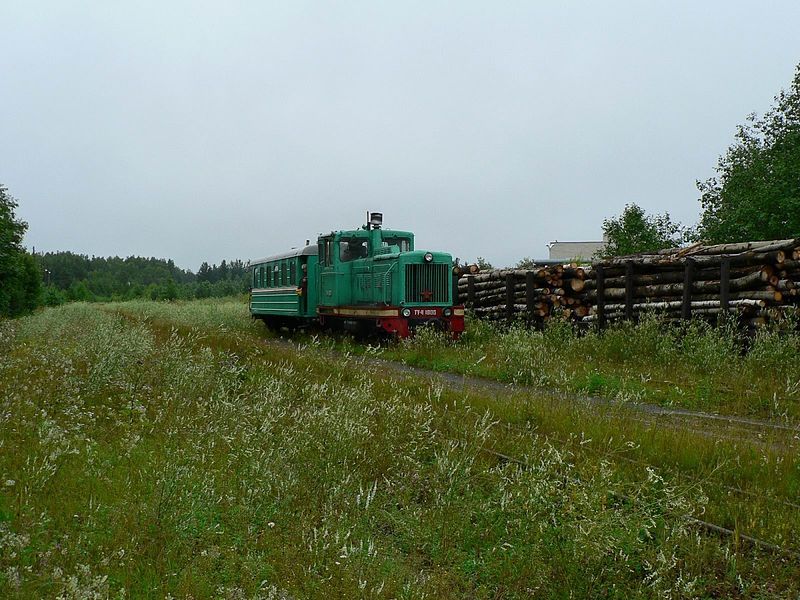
(757, 282)
(540, 294)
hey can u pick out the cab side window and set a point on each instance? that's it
(352, 249)
(404, 244)
(293, 272)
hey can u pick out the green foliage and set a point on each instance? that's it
(12, 229)
(234, 270)
(107, 276)
(170, 290)
(483, 264)
(52, 296)
(20, 280)
(634, 231)
(114, 278)
(525, 263)
(756, 192)
(79, 292)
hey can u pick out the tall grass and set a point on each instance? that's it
(143, 461)
(695, 365)
(209, 315)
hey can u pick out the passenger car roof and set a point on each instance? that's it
(310, 250)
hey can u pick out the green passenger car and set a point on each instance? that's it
(368, 278)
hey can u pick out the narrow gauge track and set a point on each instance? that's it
(739, 430)
(732, 422)
(699, 523)
(760, 433)
(749, 431)
(648, 413)
(673, 472)
(707, 526)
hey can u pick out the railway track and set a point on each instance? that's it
(727, 427)
(676, 473)
(707, 526)
(722, 424)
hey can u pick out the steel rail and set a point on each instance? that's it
(705, 525)
(671, 471)
(646, 408)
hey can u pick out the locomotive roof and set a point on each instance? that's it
(310, 250)
(388, 232)
(313, 249)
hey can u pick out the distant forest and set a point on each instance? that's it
(76, 277)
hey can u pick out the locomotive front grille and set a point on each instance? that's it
(428, 283)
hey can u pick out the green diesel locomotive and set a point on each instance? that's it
(366, 279)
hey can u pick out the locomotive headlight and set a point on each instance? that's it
(406, 312)
(428, 257)
(447, 312)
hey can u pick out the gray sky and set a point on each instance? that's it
(201, 131)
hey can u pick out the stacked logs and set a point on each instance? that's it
(757, 282)
(552, 291)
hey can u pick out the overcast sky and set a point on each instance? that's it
(202, 131)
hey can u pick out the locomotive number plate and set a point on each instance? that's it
(424, 312)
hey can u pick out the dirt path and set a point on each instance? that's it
(729, 427)
(472, 382)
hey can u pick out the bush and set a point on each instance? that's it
(52, 296)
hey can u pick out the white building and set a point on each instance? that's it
(575, 251)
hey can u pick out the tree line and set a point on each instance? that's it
(76, 277)
(20, 279)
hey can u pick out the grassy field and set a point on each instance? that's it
(154, 449)
(697, 366)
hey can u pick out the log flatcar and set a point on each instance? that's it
(364, 279)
